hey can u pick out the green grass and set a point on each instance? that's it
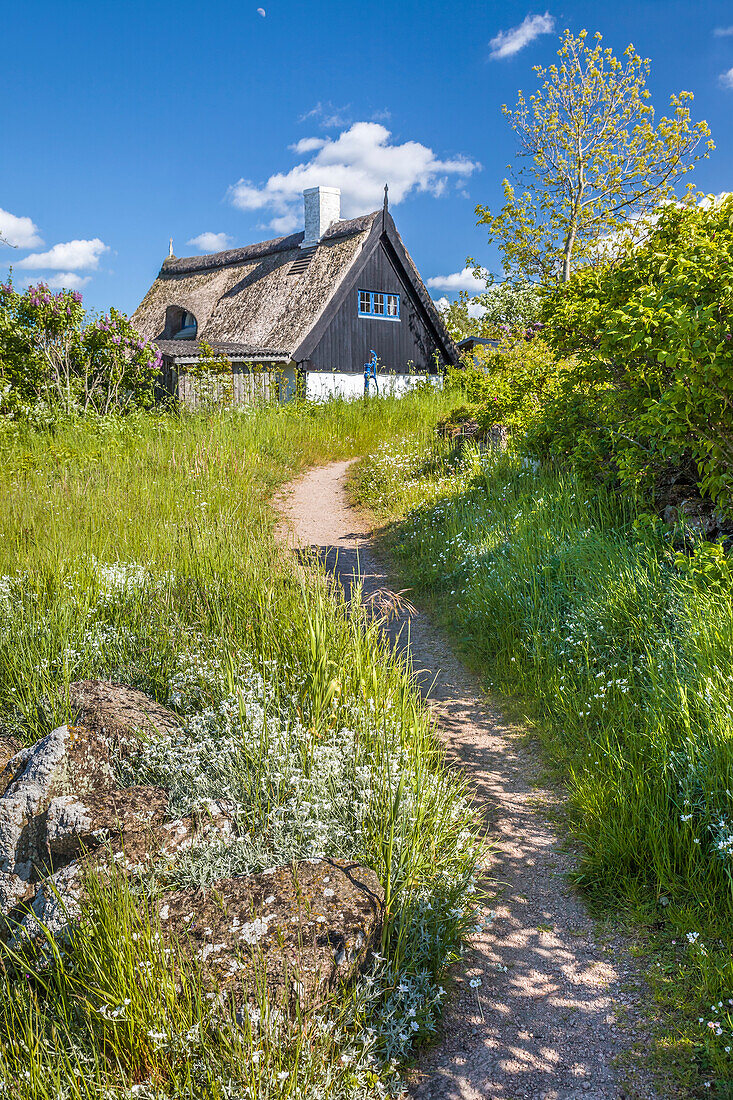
(142, 550)
(619, 648)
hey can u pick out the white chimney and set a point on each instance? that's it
(322, 209)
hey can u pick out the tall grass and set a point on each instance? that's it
(141, 550)
(619, 646)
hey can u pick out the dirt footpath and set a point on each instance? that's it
(545, 1019)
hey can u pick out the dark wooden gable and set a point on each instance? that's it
(342, 341)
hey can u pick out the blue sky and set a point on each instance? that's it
(127, 123)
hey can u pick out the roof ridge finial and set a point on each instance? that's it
(386, 196)
(170, 249)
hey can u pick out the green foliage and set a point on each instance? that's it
(594, 159)
(471, 382)
(653, 341)
(512, 382)
(708, 566)
(461, 317)
(457, 418)
(583, 427)
(53, 360)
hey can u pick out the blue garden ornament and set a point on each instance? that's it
(370, 373)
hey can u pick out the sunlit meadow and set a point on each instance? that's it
(141, 549)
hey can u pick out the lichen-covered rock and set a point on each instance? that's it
(13, 891)
(55, 904)
(67, 760)
(678, 500)
(15, 897)
(70, 757)
(57, 897)
(58, 794)
(75, 824)
(209, 822)
(118, 713)
(305, 929)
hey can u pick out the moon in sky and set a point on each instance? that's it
(262, 12)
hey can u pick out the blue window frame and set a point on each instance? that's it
(376, 303)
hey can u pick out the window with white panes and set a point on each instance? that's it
(375, 303)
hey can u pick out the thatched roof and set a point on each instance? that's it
(177, 350)
(233, 256)
(250, 296)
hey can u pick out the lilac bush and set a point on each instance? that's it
(52, 355)
(120, 367)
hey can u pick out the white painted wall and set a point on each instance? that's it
(320, 385)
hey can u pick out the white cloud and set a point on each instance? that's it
(285, 223)
(723, 32)
(68, 280)
(459, 280)
(507, 43)
(211, 242)
(359, 161)
(65, 280)
(71, 256)
(726, 79)
(19, 231)
(308, 145)
(330, 117)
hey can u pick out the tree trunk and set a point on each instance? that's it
(567, 253)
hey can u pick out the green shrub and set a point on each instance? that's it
(512, 382)
(653, 344)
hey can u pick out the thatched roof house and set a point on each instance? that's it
(320, 301)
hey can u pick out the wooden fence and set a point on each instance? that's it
(256, 385)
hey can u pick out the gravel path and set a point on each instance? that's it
(546, 1020)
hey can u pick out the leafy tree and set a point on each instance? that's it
(39, 334)
(462, 318)
(115, 367)
(503, 308)
(652, 335)
(593, 160)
